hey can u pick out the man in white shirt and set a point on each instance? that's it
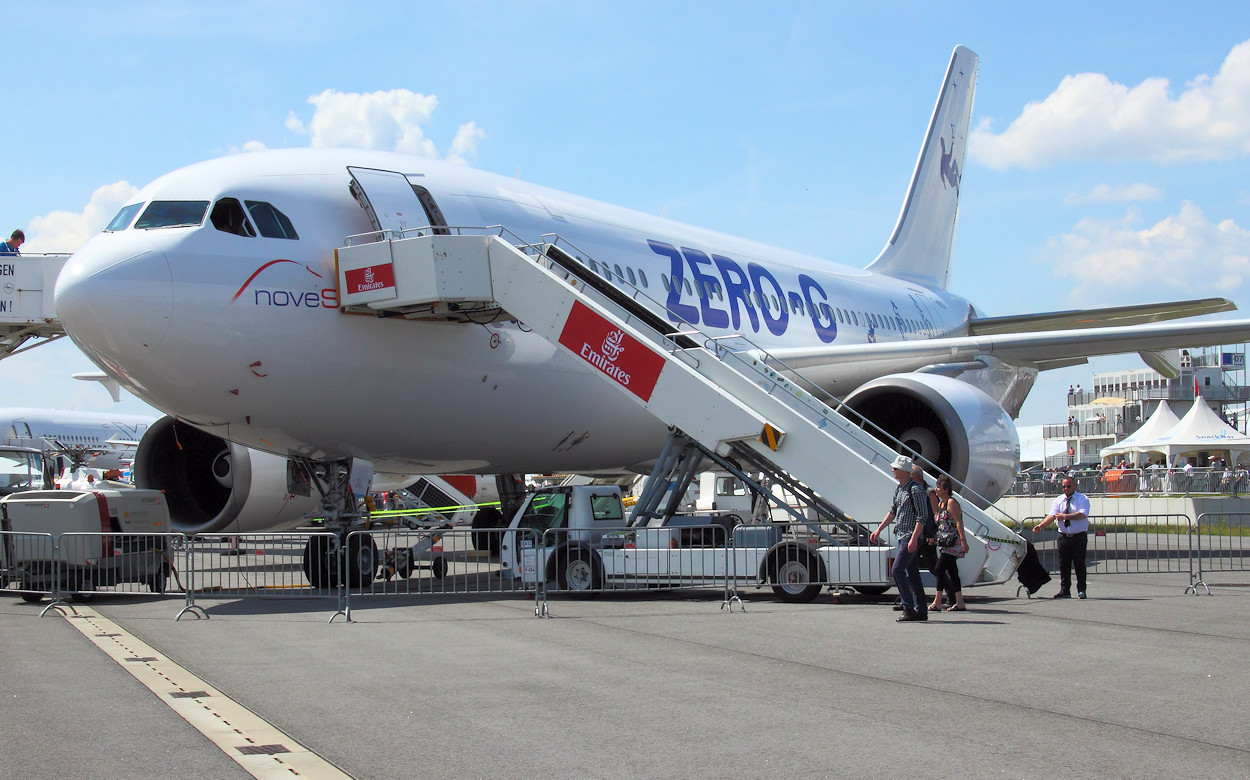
(1070, 512)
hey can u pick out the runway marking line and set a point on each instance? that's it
(262, 750)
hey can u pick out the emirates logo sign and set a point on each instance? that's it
(624, 359)
(369, 278)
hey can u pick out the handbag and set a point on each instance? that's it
(947, 538)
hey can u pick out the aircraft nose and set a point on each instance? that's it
(115, 297)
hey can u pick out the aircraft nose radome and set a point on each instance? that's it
(115, 299)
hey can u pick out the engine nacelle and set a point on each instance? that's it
(951, 424)
(213, 485)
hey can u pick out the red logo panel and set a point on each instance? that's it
(606, 347)
(371, 277)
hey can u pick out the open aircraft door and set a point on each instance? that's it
(389, 199)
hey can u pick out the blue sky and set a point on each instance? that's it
(1109, 165)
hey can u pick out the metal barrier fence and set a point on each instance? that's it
(1220, 543)
(76, 565)
(439, 563)
(797, 561)
(1133, 482)
(1126, 544)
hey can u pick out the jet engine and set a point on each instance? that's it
(215, 485)
(949, 423)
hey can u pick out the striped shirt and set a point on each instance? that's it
(908, 500)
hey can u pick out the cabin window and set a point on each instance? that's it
(642, 276)
(271, 222)
(228, 217)
(123, 218)
(594, 266)
(619, 275)
(172, 213)
(632, 279)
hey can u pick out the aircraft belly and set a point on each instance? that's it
(412, 396)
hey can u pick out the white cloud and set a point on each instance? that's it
(1105, 193)
(1184, 255)
(1091, 117)
(372, 120)
(64, 231)
(464, 146)
(248, 146)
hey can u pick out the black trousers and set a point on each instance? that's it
(947, 574)
(1072, 555)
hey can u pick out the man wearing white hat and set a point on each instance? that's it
(906, 509)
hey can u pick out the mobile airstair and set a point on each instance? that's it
(730, 406)
(27, 311)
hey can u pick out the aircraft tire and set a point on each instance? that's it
(362, 561)
(487, 518)
(319, 567)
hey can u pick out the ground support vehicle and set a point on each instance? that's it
(75, 541)
(584, 545)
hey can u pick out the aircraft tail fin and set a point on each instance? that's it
(919, 250)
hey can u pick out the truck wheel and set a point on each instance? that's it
(438, 568)
(578, 571)
(793, 581)
(32, 598)
(320, 569)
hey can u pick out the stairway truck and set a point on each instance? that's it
(77, 541)
(577, 541)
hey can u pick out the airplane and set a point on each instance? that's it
(97, 440)
(213, 296)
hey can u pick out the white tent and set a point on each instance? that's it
(1141, 440)
(1200, 430)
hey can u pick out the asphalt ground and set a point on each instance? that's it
(1138, 680)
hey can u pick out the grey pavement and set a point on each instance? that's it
(1139, 680)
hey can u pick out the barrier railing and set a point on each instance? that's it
(1148, 481)
(77, 565)
(1221, 545)
(1126, 544)
(439, 562)
(797, 561)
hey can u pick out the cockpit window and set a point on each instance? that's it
(228, 216)
(122, 220)
(172, 213)
(271, 222)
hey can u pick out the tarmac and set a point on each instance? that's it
(1138, 680)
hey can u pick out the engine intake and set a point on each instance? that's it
(948, 422)
(214, 485)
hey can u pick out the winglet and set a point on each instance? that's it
(920, 248)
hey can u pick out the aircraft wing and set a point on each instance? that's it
(1044, 350)
(1091, 318)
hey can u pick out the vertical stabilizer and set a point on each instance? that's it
(920, 248)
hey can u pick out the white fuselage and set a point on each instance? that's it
(243, 334)
(105, 440)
